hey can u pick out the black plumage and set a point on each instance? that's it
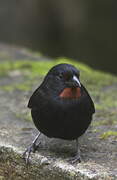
(61, 107)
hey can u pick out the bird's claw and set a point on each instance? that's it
(75, 159)
(27, 153)
(32, 148)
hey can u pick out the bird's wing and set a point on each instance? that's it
(35, 99)
(91, 101)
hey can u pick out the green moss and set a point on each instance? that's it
(105, 122)
(107, 134)
(25, 116)
(35, 68)
(105, 118)
(95, 130)
(7, 88)
(94, 80)
(21, 86)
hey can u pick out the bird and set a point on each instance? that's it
(61, 107)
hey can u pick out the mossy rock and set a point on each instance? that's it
(18, 79)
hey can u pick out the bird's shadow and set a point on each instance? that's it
(57, 148)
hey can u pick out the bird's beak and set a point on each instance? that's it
(75, 79)
(74, 82)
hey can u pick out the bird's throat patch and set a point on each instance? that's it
(70, 93)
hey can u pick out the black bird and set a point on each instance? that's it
(61, 107)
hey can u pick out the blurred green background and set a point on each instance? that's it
(79, 29)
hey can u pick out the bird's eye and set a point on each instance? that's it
(60, 76)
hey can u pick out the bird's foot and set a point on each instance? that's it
(32, 148)
(75, 159)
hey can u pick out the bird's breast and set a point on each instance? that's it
(71, 93)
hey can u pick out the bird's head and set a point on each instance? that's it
(64, 80)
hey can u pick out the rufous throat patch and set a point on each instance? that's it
(70, 93)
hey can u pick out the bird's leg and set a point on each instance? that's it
(77, 157)
(32, 148)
